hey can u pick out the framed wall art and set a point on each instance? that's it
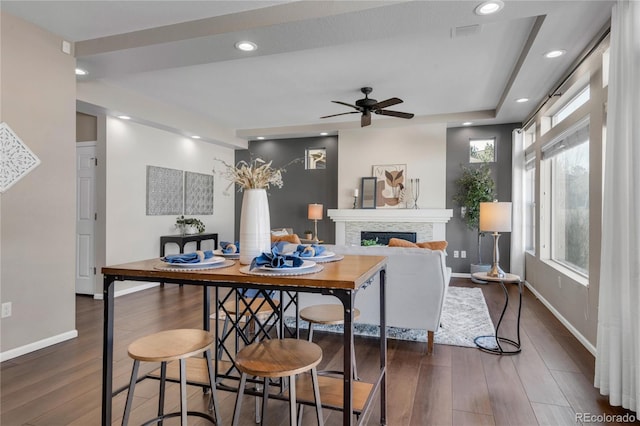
(390, 182)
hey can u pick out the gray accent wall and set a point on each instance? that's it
(459, 236)
(288, 205)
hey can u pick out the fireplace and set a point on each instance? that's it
(383, 238)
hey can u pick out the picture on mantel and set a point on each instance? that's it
(390, 185)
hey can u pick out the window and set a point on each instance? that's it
(573, 104)
(482, 150)
(567, 161)
(530, 204)
(530, 136)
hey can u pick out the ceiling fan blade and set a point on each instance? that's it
(394, 113)
(335, 115)
(389, 102)
(366, 119)
(346, 104)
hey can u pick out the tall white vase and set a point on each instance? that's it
(255, 225)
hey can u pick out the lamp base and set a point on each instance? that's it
(496, 271)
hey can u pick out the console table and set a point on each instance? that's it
(508, 278)
(182, 240)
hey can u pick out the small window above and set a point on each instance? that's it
(573, 104)
(482, 150)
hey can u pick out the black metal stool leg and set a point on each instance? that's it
(212, 383)
(132, 386)
(163, 381)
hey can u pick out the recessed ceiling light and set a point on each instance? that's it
(124, 117)
(246, 46)
(489, 7)
(260, 137)
(80, 71)
(324, 134)
(554, 53)
(522, 100)
(195, 137)
(467, 123)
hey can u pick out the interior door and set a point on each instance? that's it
(85, 218)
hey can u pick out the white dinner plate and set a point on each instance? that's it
(210, 261)
(305, 264)
(227, 255)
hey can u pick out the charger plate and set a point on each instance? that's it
(334, 258)
(281, 272)
(196, 266)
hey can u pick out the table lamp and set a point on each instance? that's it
(315, 214)
(495, 218)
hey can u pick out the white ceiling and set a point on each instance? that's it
(312, 52)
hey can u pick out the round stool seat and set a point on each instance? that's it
(326, 314)
(257, 306)
(278, 357)
(170, 345)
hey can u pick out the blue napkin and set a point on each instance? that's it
(276, 260)
(187, 257)
(230, 248)
(303, 250)
(280, 245)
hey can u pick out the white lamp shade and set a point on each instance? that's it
(495, 217)
(315, 211)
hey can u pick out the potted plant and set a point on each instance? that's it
(308, 235)
(189, 225)
(474, 187)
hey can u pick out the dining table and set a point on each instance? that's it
(342, 279)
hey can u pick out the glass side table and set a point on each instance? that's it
(481, 341)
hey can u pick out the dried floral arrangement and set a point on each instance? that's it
(254, 174)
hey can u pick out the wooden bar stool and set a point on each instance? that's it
(164, 347)
(279, 358)
(257, 309)
(329, 314)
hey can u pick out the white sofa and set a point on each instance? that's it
(416, 285)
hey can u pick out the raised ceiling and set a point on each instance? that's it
(447, 63)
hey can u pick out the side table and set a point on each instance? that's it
(182, 240)
(508, 278)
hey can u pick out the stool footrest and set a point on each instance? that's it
(331, 391)
(178, 414)
(196, 367)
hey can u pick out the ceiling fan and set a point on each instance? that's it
(367, 105)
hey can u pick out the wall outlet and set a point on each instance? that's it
(6, 309)
(456, 254)
(463, 254)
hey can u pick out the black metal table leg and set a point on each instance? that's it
(509, 278)
(107, 350)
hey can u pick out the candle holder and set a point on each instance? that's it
(415, 191)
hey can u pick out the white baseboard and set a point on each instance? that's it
(118, 293)
(40, 344)
(587, 344)
(460, 275)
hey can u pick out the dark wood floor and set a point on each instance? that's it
(547, 384)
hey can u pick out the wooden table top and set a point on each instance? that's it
(348, 273)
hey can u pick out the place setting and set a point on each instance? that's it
(277, 263)
(228, 250)
(198, 260)
(315, 252)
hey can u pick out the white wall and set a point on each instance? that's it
(38, 212)
(131, 234)
(421, 147)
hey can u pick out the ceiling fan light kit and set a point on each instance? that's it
(366, 106)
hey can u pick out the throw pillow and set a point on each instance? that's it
(399, 242)
(293, 239)
(433, 245)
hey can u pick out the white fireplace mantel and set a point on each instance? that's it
(429, 224)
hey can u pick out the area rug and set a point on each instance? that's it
(464, 317)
